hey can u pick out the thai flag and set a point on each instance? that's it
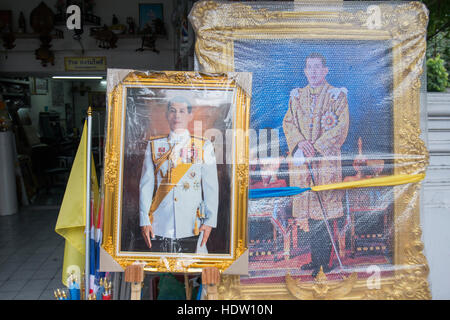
(92, 260)
(98, 243)
(94, 249)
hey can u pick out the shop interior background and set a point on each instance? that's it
(49, 104)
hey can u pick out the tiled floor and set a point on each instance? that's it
(31, 254)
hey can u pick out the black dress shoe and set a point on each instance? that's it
(308, 266)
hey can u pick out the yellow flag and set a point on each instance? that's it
(373, 182)
(72, 214)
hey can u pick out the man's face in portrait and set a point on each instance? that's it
(315, 71)
(178, 116)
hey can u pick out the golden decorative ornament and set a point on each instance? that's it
(242, 171)
(111, 168)
(403, 25)
(321, 288)
(229, 288)
(114, 152)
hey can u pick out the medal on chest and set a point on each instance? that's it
(160, 151)
(329, 120)
(189, 154)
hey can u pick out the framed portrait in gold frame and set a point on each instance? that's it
(371, 55)
(175, 178)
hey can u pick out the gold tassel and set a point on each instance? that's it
(196, 232)
(151, 217)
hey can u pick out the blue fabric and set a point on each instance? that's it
(97, 273)
(92, 259)
(276, 192)
(74, 294)
(100, 292)
(199, 293)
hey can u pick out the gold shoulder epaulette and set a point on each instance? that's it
(157, 137)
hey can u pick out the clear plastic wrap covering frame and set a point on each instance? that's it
(176, 169)
(336, 99)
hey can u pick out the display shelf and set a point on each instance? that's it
(129, 36)
(132, 36)
(13, 94)
(58, 35)
(87, 18)
(26, 82)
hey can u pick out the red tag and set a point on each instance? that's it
(161, 149)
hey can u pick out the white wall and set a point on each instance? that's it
(436, 202)
(38, 103)
(21, 59)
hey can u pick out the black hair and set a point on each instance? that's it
(316, 55)
(180, 99)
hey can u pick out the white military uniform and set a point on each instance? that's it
(179, 172)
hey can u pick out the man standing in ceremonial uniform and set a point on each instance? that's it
(179, 191)
(316, 126)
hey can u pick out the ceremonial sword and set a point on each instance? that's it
(325, 219)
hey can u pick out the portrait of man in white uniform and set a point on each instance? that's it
(178, 188)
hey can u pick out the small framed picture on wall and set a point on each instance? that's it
(39, 86)
(152, 15)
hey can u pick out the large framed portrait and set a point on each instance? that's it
(176, 169)
(336, 98)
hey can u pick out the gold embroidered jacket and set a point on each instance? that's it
(322, 117)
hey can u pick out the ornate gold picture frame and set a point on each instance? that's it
(221, 28)
(148, 164)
